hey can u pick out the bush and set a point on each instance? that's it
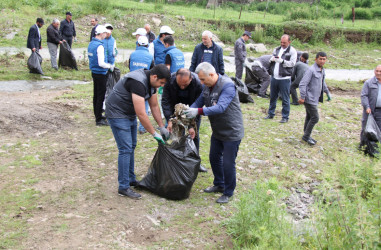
(363, 3)
(300, 13)
(360, 13)
(45, 4)
(376, 12)
(327, 4)
(258, 35)
(99, 6)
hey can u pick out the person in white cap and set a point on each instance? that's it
(141, 58)
(142, 32)
(159, 44)
(99, 68)
(110, 45)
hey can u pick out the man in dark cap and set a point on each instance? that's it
(34, 35)
(67, 29)
(240, 53)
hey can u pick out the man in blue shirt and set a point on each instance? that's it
(159, 44)
(174, 58)
(99, 68)
(219, 101)
(110, 45)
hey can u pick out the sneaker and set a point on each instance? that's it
(283, 120)
(214, 189)
(223, 199)
(102, 122)
(129, 193)
(268, 117)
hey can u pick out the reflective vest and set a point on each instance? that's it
(177, 58)
(140, 58)
(93, 57)
(159, 51)
(108, 43)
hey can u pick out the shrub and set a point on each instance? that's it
(99, 6)
(258, 35)
(327, 4)
(46, 4)
(300, 13)
(376, 12)
(363, 3)
(360, 13)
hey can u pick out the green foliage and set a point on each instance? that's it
(376, 12)
(360, 13)
(327, 4)
(300, 13)
(272, 30)
(258, 34)
(363, 3)
(99, 6)
(259, 221)
(45, 4)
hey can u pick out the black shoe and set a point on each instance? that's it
(129, 193)
(310, 141)
(223, 199)
(263, 96)
(134, 184)
(268, 117)
(295, 103)
(202, 169)
(284, 120)
(313, 140)
(214, 189)
(102, 122)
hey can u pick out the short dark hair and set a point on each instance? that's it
(162, 34)
(321, 54)
(305, 55)
(161, 71)
(183, 72)
(169, 40)
(40, 20)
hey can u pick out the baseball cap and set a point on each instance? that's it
(68, 13)
(140, 31)
(109, 26)
(100, 29)
(166, 29)
(247, 33)
(143, 40)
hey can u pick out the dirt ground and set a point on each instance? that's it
(77, 204)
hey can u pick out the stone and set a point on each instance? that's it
(10, 36)
(256, 161)
(156, 21)
(182, 18)
(258, 47)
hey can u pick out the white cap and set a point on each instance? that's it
(140, 31)
(143, 40)
(166, 29)
(100, 29)
(109, 26)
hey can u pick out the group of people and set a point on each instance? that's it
(158, 66)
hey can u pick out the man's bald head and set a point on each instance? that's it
(377, 72)
(285, 41)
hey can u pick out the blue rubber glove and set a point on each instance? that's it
(158, 138)
(191, 112)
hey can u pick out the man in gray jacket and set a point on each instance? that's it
(240, 53)
(261, 68)
(311, 93)
(54, 39)
(371, 100)
(300, 67)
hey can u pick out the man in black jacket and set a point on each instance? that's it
(183, 87)
(54, 38)
(34, 36)
(94, 22)
(67, 29)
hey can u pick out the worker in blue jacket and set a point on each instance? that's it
(109, 43)
(174, 58)
(159, 44)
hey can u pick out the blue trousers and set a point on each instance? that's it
(125, 134)
(282, 87)
(222, 157)
(141, 127)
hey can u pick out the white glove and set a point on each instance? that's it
(112, 68)
(191, 112)
(272, 59)
(279, 60)
(158, 138)
(164, 133)
(75, 39)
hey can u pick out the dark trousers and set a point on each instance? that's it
(262, 74)
(99, 94)
(222, 157)
(238, 69)
(69, 40)
(294, 94)
(281, 87)
(312, 118)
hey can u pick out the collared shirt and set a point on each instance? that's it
(312, 84)
(276, 68)
(378, 103)
(39, 35)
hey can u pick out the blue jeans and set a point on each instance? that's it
(222, 157)
(141, 128)
(125, 133)
(282, 87)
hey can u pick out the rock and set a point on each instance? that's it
(156, 21)
(303, 165)
(317, 171)
(154, 221)
(258, 47)
(182, 18)
(309, 161)
(22, 208)
(10, 36)
(278, 140)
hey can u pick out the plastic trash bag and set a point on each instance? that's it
(112, 79)
(252, 81)
(371, 137)
(173, 170)
(243, 92)
(66, 57)
(34, 63)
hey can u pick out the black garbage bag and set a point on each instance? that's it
(252, 81)
(66, 57)
(243, 92)
(371, 137)
(173, 170)
(34, 63)
(112, 79)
